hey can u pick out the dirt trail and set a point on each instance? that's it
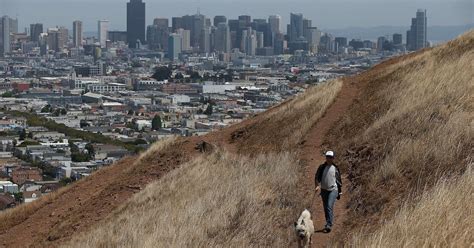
(311, 150)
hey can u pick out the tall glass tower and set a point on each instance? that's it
(135, 23)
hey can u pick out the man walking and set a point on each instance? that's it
(328, 179)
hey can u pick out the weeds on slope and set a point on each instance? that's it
(218, 200)
(442, 217)
(282, 128)
(414, 127)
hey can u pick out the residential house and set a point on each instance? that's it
(6, 201)
(30, 196)
(22, 174)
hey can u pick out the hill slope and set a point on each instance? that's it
(397, 129)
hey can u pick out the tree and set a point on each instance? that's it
(90, 149)
(46, 109)
(23, 134)
(208, 110)
(162, 73)
(63, 111)
(179, 76)
(194, 75)
(156, 123)
(7, 94)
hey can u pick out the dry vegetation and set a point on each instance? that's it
(443, 217)
(281, 128)
(414, 127)
(219, 200)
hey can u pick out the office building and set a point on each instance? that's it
(380, 43)
(274, 21)
(295, 29)
(307, 24)
(249, 40)
(135, 23)
(196, 24)
(5, 45)
(174, 46)
(397, 39)
(176, 23)
(219, 19)
(222, 38)
(8, 26)
(326, 43)
(205, 41)
(35, 30)
(313, 38)
(417, 35)
(245, 20)
(77, 33)
(278, 43)
(185, 39)
(161, 22)
(103, 27)
(158, 34)
(116, 36)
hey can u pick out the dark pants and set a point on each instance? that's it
(329, 198)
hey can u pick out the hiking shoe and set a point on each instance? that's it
(327, 229)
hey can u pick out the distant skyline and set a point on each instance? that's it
(325, 14)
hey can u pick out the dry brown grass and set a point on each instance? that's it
(415, 126)
(443, 217)
(219, 200)
(15, 215)
(283, 127)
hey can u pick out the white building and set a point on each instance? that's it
(82, 83)
(104, 88)
(103, 28)
(176, 99)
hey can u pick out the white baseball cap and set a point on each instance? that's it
(329, 154)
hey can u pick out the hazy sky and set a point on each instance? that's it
(324, 13)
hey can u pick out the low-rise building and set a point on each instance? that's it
(23, 174)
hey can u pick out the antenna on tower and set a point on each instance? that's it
(198, 11)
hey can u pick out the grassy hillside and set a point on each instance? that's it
(223, 198)
(412, 127)
(441, 217)
(219, 200)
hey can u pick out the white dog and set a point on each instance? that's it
(304, 229)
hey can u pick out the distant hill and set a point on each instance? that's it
(436, 34)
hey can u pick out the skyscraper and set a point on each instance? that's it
(174, 46)
(205, 41)
(5, 45)
(219, 19)
(77, 33)
(135, 22)
(222, 38)
(296, 26)
(274, 21)
(158, 33)
(185, 39)
(35, 30)
(249, 41)
(161, 22)
(176, 23)
(397, 39)
(103, 27)
(313, 38)
(417, 35)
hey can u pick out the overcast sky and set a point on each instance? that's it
(324, 13)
